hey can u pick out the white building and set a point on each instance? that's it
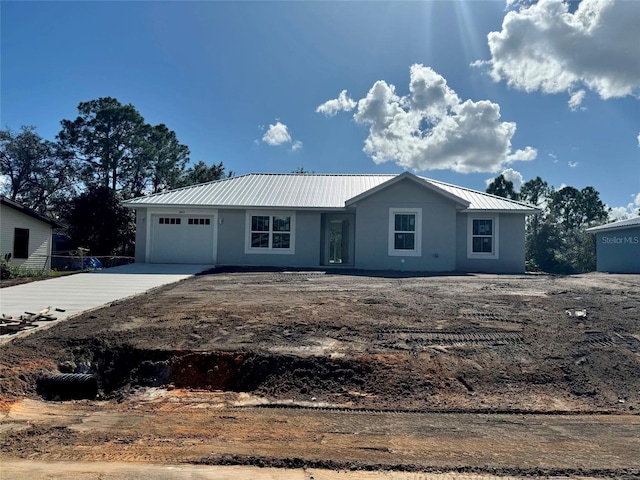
(26, 235)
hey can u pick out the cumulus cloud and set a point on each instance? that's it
(545, 47)
(431, 128)
(511, 175)
(572, 164)
(278, 134)
(341, 104)
(515, 177)
(631, 210)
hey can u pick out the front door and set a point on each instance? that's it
(338, 239)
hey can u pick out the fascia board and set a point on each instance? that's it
(514, 211)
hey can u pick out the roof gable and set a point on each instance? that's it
(29, 212)
(411, 177)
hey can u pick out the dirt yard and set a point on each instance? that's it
(344, 370)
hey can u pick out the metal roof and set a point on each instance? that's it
(304, 191)
(619, 225)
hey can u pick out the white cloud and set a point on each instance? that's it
(576, 100)
(431, 128)
(639, 140)
(544, 47)
(511, 175)
(631, 210)
(341, 104)
(515, 177)
(572, 164)
(278, 134)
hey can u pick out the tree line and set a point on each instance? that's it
(556, 238)
(107, 154)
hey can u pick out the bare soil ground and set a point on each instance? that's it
(478, 361)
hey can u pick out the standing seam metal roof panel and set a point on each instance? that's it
(304, 191)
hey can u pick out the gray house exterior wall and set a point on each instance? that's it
(141, 235)
(232, 235)
(618, 251)
(511, 245)
(438, 229)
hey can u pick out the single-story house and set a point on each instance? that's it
(373, 222)
(618, 246)
(26, 235)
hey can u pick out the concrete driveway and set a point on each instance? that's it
(86, 291)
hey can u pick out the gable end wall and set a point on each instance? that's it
(40, 238)
(438, 229)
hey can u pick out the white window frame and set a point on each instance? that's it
(417, 250)
(270, 250)
(494, 255)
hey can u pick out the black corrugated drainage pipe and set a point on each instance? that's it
(68, 386)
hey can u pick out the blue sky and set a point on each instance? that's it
(452, 90)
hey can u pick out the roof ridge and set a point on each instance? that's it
(315, 174)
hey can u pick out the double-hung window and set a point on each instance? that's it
(483, 237)
(270, 232)
(405, 231)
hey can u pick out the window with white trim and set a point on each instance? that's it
(270, 232)
(483, 237)
(405, 232)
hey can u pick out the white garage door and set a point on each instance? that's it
(182, 239)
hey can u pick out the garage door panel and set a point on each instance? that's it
(182, 239)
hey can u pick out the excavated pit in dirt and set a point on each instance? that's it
(123, 368)
(424, 379)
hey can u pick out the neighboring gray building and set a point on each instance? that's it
(374, 222)
(26, 235)
(618, 246)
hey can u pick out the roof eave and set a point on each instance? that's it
(234, 207)
(497, 210)
(602, 228)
